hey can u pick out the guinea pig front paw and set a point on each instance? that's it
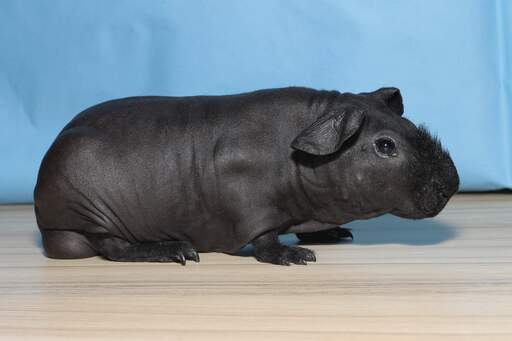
(285, 255)
(329, 236)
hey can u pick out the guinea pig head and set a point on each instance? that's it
(380, 159)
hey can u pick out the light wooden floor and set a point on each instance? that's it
(444, 278)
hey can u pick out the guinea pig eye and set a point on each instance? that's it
(385, 147)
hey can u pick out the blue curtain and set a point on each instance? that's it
(451, 59)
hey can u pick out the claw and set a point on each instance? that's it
(181, 258)
(306, 255)
(312, 258)
(284, 262)
(191, 254)
(196, 257)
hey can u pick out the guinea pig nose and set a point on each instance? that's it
(452, 187)
(453, 180)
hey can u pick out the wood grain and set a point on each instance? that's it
(443, 278)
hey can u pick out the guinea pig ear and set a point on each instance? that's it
(327, 134)
(391, 97)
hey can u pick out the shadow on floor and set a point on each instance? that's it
(389, 229)
(36, 238)
(386, 229)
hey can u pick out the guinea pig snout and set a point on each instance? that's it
(439, 191)
(433, 203)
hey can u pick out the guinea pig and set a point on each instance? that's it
(161, 179)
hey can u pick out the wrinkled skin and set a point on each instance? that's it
(164, 178)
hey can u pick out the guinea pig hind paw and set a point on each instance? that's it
(166, 251)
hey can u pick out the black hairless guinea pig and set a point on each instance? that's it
(159, 179)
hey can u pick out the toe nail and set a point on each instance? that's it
(183, 261)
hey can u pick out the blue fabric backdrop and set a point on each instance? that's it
(450, 58)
